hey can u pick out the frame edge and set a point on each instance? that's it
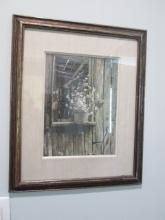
(16, 73)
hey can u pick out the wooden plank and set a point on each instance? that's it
(75, 151)
(114, 74)
(47, 110)
(53, 86)
(90, 81)
(86, 142)
(106, 106)
(48, 113)
(67, 141)
(70, 123)
(98, 75)
(69, 144)
(88, 146)
(49, 144)
(60, 150)
(62, 142)
(45, 150)
(54, 143)
(78, 141)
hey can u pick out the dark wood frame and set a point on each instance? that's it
(20, 23)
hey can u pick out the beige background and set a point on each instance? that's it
(34, 166)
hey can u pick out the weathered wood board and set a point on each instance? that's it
(114, 69)
(106, 120)
(98, 79)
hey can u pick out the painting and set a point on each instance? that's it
(80, 105)
(77, 104)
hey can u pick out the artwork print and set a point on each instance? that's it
(77, 104)
(80, 105)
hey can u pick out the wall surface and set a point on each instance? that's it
(145, 202)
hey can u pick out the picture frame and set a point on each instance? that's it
(77, 104)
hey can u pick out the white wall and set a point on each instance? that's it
(144, 202)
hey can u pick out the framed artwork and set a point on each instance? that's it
(77, 104)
